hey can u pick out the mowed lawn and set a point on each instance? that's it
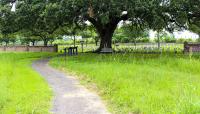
(140, 83)
(22, 90)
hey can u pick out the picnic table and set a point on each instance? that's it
(71, 51)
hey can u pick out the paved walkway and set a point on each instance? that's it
(70, 97)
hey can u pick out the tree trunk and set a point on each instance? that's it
(33, 43)
(106, 31)
(74, 41)
(7, 43)
(106, 39)
(96, 42)
(158, 40)
(86, 43)
(106, 35)
(45, 42)
(135, 43)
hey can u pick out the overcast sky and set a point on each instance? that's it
(178, 34)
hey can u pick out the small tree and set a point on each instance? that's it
(12, 39)
(134, 32)
(8, 24)
(39, 18)
(69, 31)
(89, 32)
(118, 36)
(93, 34)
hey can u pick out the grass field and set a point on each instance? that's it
(22, 90)
(140, 83)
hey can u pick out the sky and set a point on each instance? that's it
(186, 34)
(178, 34)
(13, 7)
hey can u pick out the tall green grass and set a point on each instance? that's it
(22, 90)
(140, 83)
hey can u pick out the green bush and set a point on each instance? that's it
(198, 40)
(143, 40)
(182, 40)
(169, 40)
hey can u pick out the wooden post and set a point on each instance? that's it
(56, 48)
(74, 40)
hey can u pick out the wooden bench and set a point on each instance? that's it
(106, 50)
(71, 51)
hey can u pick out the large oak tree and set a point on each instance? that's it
(105, 15)
(44, 16)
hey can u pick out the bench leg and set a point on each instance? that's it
(76, 51)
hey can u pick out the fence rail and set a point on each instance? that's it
(131, 47)
(29, 48)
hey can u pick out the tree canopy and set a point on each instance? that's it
(193, 9)
(44, 17)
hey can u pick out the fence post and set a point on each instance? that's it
(4, 48)
(185, 47)
(56, 48)
(27, 48)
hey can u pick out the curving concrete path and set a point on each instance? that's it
(70, 97)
